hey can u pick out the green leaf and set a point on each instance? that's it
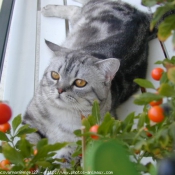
(12, 154)
(116, 151)
(166, 27)
(168, 63)
(16, 122)
(79, 142)
(78, 132)
(42, 143)
(173, 60)
(149, 3)
(159, 62)
(147, 97)
(96, 112)
(164, 78)
(171, 74)
(77, 153)
(3, 137)
(25, 130)
(129, 118)
(140, 144)
(86, 123)
(141, 167)
(160, 11)
(16, 168)
(44, 151)
(107, 125)
(127, 137)
(92, 120)
(128, 122)
(43, 164)
(25, 147)
(142, 119)
(144, 83)
(117, 127)
(152, 169)
(166, 90)
(172, 130)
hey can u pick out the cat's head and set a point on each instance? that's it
(73, 80)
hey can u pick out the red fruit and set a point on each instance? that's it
(156, 103)
(5, 164)
(5, 113)
(35, 152)
(156, 73)
(156, 114)
(147, 132)
(94, 129)
(33, 169)
(5, 127)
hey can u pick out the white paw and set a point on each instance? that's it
(49, 10)
(66, 155)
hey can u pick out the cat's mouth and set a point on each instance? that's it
(59, 97)
(66, 98)
(60, 101)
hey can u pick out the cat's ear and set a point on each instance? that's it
(109, 67)
(56, 48)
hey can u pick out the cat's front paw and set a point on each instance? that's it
(66, 155)
(49, 10)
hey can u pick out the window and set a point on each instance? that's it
(6, 9)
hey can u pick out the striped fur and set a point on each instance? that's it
(103, 31)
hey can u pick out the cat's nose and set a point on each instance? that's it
(60, 90)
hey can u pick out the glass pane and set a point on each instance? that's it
(0, 3)
(6, 8)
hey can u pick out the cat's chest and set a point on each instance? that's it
(62, 125)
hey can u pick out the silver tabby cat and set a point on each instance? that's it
(106, 49)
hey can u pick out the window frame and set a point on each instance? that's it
(6, 13)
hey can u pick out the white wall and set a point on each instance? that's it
(20, 56)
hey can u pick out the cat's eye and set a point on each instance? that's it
(55, 75)
(80, 83)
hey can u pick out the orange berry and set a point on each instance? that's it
(156, 114)
(5, 127)
(35, 151)
(156, 103)
(94, 129)
(156, 73)
(147, 133)
(5, 164)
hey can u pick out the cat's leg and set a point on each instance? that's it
(64, 12)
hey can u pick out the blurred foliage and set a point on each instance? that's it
(164, 18)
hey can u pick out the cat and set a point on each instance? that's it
(105, 51)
